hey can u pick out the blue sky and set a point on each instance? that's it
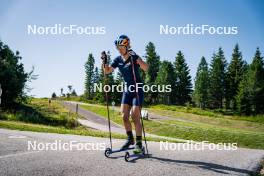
(59, 60)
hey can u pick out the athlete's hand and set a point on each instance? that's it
(139, 61)
(131, 52)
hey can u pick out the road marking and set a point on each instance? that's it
(17, 154)
(16, 137)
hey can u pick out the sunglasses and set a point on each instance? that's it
(121, 47)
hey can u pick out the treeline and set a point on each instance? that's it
(237, 86)
(71, 93)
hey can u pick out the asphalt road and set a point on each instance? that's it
(88, 114)
(16, 159)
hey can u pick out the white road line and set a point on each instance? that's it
(17, 154)
(16, 137)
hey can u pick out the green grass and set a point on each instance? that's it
(79, 99)
(208, 113)
(223, 122)
(81, 130)
(199, 127)
(23, 126)
(39, 111)
(184, 123)
(40, 116)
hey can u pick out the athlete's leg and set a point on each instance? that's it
(137, 103)
(136, 116)
(138, 127)
(136, 120)
(125, 111)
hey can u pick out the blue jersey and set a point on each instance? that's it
(125, 68)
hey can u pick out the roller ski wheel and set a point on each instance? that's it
(128, 157)
(107, 152)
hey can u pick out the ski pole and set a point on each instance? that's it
(104, 58)
(142, 123)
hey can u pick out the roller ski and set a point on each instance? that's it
(128, 145)
(137, 152)
(109, 151)
(133, 156)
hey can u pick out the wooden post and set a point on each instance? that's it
(77, 108)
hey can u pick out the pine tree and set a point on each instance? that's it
(183, 86)
(70, 88)
(53, 95)
(61, 91)
(96, 81)
(250, 97)
(235, 71)
(201, 84)
(217, 84)
(89, 68)
(100, 96)
(166, 76)
(96, 75)
(153, 60)
(74, 93)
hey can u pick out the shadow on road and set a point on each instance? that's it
(204, 165)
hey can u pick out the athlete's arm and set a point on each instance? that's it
(143, 65)
(108, 69)
(105, 66)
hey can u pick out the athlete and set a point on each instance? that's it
(129, 101)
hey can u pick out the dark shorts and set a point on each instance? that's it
(130, 98)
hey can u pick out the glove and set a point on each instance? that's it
(104, 57)
(131, 52)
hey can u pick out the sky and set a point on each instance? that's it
(59, 59)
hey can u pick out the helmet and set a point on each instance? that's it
(122, 40)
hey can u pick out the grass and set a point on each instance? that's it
(191, 126)
(202, 120)
(184, 123)
(208, 113)
(40, 111)
(81, 130)
(23, 126)
(41, 116)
